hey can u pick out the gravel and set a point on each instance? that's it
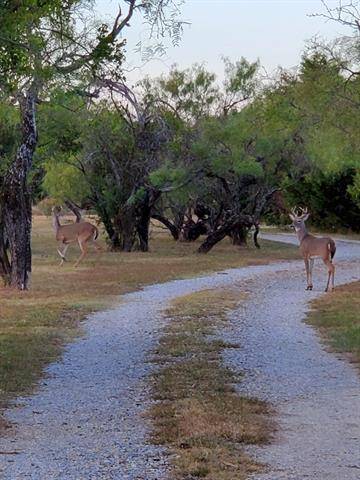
(86, 421)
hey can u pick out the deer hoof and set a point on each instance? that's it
(309, 287)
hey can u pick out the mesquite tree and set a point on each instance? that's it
(42, 43)
(215, 143)
(106, 160)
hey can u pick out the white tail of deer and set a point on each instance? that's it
(312, 247)
(82, 233)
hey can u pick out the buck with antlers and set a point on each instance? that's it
(312, 247)
(82, 233)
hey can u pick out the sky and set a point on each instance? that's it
(273, 31)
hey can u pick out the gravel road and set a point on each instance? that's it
(85, 419)
(315, 394)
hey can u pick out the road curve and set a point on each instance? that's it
(85, 419)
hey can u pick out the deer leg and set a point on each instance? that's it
(307, 268)
(83, 252)
(97, 246)
(63, 253)
(311, 266)
(331, 275)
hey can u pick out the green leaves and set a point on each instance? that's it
(30, 34)
(168, 176)
(63, 180)
(9, 135)
(241, 80)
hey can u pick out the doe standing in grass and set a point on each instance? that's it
(312, 247)
(82, 232)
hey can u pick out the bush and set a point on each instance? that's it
(328, 197)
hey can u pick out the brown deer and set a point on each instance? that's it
(312, 247)
(82, 232)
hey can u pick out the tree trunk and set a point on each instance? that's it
(256, 233)
(109, 228)
(234, 223)
(144, 211)
(142, 228)
(212, 239)
(108, 224)
(239, 236)
(5, 267)
(170, 226)
(17, 198)
(126, 227)
(191, 231)
(75, 210)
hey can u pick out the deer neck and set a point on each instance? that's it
(301, 233)
(56, 222)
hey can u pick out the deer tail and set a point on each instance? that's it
(96, 233)
(331, 247)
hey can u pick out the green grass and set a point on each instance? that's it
(337, 316)
(198, 415)
(23, 352)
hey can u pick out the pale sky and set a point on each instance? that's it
(273, 31)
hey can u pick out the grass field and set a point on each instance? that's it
(337, 316)
(34, 325)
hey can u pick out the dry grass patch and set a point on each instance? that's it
(198, 414)
(337, 316)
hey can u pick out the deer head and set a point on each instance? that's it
(56, 210)
(299, 217)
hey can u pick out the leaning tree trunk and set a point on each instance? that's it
(232, 224)
(17, 198)
(213, 238)
(173, 229)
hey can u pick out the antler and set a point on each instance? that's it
(303, 211)
(294, 212)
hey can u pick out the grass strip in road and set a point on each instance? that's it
(197, 412)
(337, 316)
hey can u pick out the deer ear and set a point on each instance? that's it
(306, 216)
(291, 216)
